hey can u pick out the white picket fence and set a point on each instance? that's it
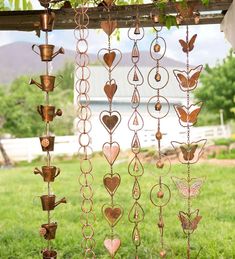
(27, 149)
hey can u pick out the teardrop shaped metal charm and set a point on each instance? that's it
(136, 213)
(135, 144)
(134, 165)
(136, 236)
(136, 191)
(135, 100)
(135, 122)
(135, 52)
(135, 74)
(135, 77)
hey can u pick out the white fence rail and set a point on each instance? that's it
(21, 149)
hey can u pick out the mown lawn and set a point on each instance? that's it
(21, 214)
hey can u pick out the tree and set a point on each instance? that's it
(218, 87)
(18, 107)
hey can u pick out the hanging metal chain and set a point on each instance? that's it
(190, 152)
(135, 124)
(110, 119)
(82, 87)
(158, 108)
(47, 113)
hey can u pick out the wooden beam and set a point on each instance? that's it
(29, 20)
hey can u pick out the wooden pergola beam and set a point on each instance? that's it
(29, 20)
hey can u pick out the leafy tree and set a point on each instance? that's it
(18, 107)
(15, 4)
(218, 87)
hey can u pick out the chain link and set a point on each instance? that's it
(160, 187)
(82, 87)
(136, 123)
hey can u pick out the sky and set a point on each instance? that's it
(210, 46)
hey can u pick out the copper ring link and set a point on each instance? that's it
(136, 124)
(158, 107)
(84, 127)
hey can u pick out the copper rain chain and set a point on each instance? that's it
(47, 113)
(158, 107)
(135, 124)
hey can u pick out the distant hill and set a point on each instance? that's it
(18, 59)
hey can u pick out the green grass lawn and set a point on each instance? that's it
(21, 214)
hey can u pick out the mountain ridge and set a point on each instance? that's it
(18, 59)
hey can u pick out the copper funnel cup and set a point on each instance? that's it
(47, 51)
(48, 112)
(48, 202)
(47, 143)
(50, 230)
(49, 254)
(47, 83)
(49, 173)
(47, 21)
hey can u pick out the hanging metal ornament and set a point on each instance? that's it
(82, 87)
(188, 152)
(135, 124)
(110, 119)
(158, 107)
(48, 113)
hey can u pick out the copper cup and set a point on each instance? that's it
(47, 143)
(47, 51)
(49, 203)
(50, 230)
(47, 21)
(49, 254)
(47, 82)
(49, 173)
(48, 112)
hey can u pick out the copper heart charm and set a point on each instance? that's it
(108, 26)
(111, 182)
(112, 245)
(110, 120)
(112, 214)
(111, 151)
(110, 90)
(109, 2)
(109, 58)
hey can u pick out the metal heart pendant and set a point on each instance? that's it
(111, 151)
(112, 245)
(108, 26)
(112, 214)
(112, 182)
(110, 89)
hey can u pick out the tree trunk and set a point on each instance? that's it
(7, 161)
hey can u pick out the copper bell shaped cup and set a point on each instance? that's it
(49, 254)
(47, 143)
(47, 21)
(50, 230)
(47, 83)
(49, 203)
(47, 51)
(48, 112)
(49, 173)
